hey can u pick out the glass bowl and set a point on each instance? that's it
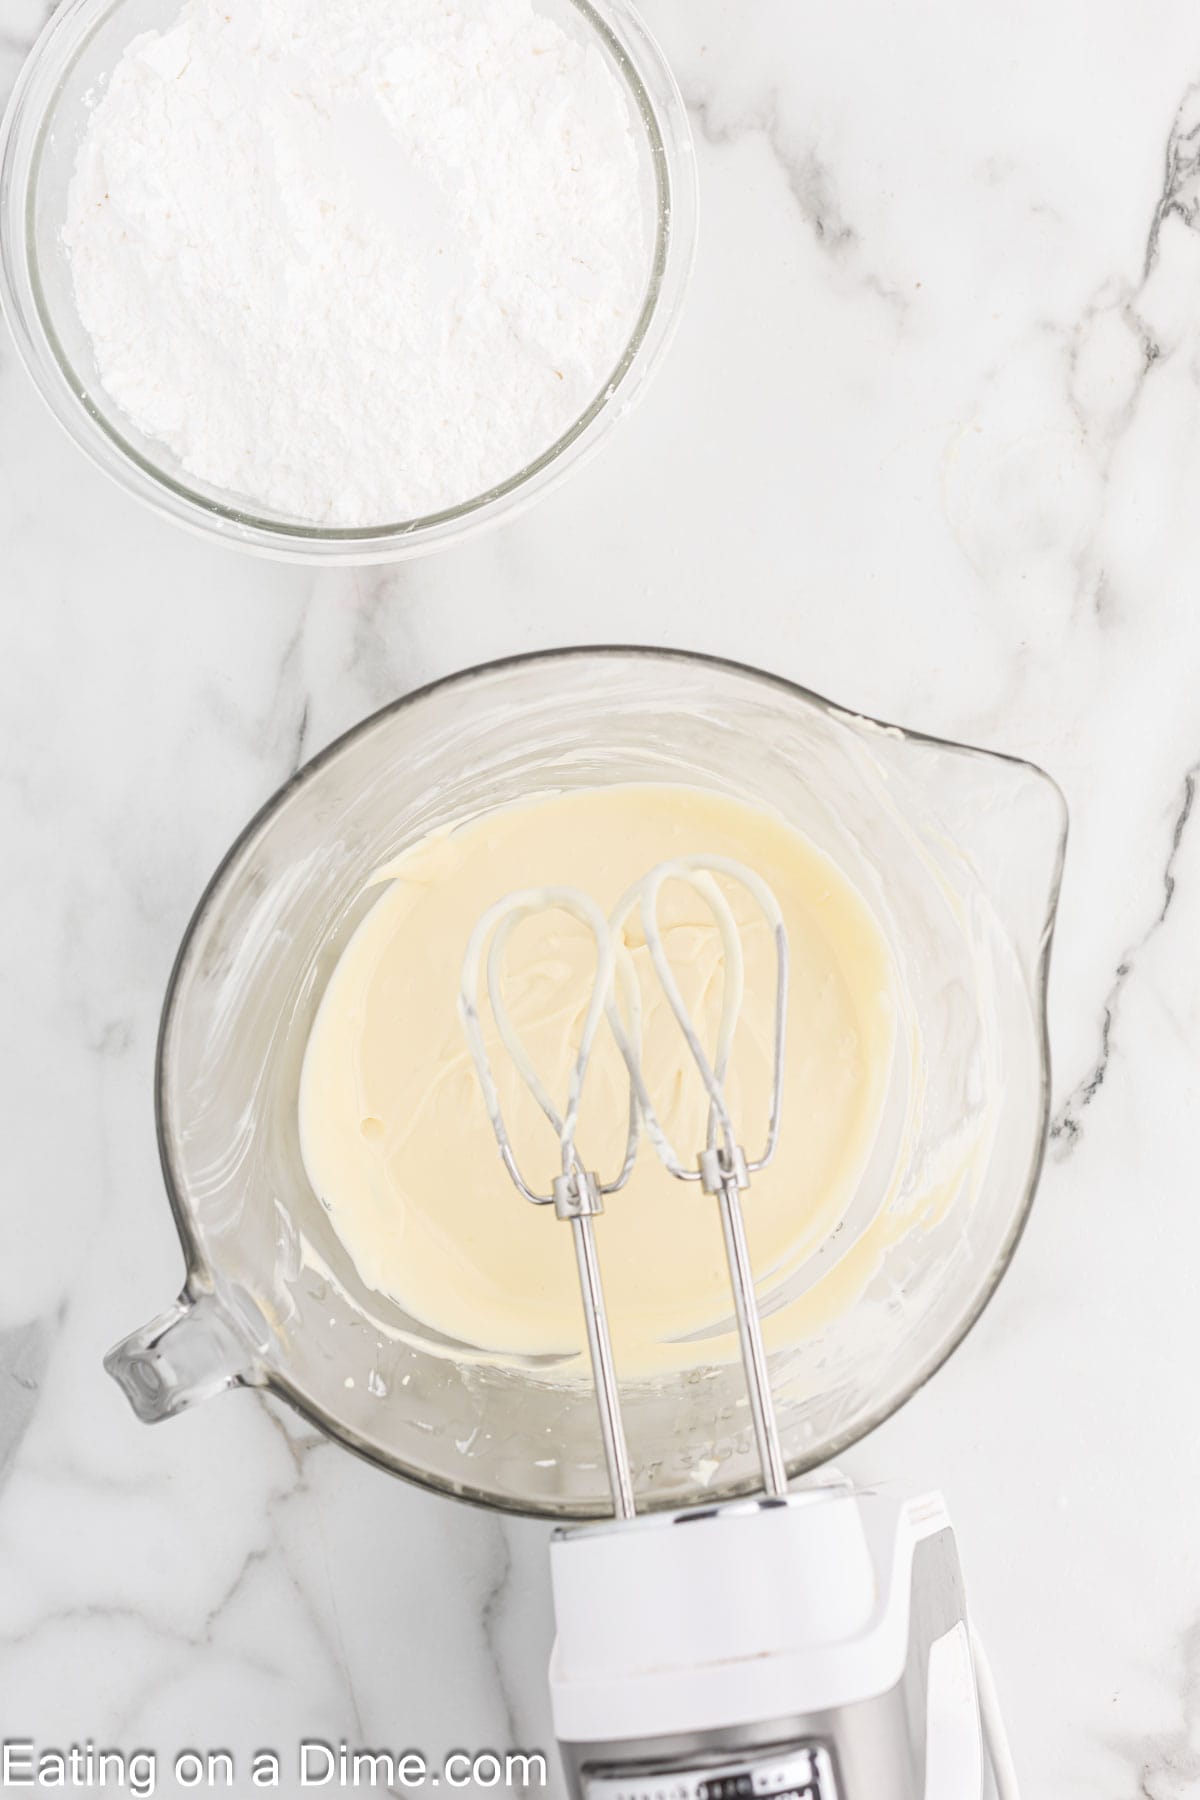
(957, 852)
(39, 140)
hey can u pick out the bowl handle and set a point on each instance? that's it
(189, 1353)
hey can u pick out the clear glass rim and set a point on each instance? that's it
(28, 121)
(199, 1275)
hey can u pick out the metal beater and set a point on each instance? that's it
(721, 1165)
(577, 1194)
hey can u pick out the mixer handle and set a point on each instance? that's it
(187, 1354)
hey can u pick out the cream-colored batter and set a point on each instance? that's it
(393, 1128)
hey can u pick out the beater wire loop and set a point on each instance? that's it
(492, 932)
(698, 873)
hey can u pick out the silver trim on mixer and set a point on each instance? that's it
(802, 1773)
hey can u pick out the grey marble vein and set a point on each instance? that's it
(490, 1617)
(1067, 1124)
(1180, 197)
(811, 182)
(1167, 1763)
(24, 1354)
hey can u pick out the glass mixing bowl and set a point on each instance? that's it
(957, 852)
(39, 140)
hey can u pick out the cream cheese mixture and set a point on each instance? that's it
(394, 1132)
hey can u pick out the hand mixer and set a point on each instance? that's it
(804, 1645)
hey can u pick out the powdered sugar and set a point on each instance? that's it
(358, 260)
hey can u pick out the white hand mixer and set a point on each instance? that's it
(806, 1645)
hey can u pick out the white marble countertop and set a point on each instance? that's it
(929, 442)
